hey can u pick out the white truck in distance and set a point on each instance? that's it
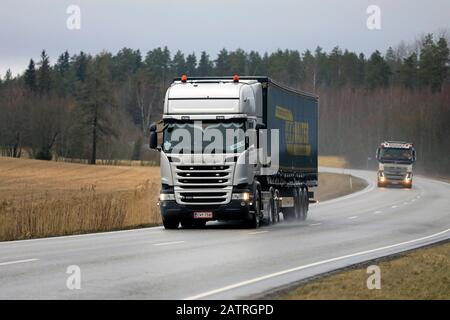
(200, 183)
(395, 163)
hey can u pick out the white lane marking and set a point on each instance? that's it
(315, 224)
(257, 232)
(393, 207)
(85, 235)
(167, 243)
(352, 217)
(17, 261)
(377, 212)
(276, 274)
(413, 200)
(405, 203)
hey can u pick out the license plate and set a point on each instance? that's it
(203, 215)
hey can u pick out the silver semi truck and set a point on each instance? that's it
(235, 148)
(395, 163)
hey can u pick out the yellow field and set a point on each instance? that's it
(40, 198)
(332, 161)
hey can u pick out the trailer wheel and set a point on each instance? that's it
(277, 206)
(304, 204)
(298, 203)
(271, 208)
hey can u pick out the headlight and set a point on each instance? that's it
(245, 196)
(166, 196)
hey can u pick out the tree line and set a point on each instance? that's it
(89, 107)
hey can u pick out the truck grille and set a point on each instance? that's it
(395, 173)
(203, 184)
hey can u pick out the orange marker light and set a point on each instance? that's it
(236, 78)
(183, 78)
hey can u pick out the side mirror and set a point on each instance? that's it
(153, 137)
(377, 155)
(414, 155)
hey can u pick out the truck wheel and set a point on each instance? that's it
(271, 208)
(170, 223)
(304, 204)
(253, 222)
(298, 203)
(276, 208)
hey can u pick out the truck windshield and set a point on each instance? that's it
(207, 137)
(393, 154)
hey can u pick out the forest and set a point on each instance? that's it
(89, 107)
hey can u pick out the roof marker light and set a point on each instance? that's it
(235, 78)
(184, 78)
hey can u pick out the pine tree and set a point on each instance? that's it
(408, 71)
(378, 71)
(44, 74)
(255, 66)
(441, 60)
(96, 96)
(30, 77)
(191, 65)
(222, 63)
(80, 63)
(8, 76)
(205, 65)
(157, 63)
(427, 61)
(178, 65)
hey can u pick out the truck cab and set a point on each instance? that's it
(395, 163)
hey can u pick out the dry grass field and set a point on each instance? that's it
(421, 274)
(332, 161)
(41, 198)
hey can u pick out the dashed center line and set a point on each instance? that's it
(352, 217)
(257, 232)
(315, 224)
(17, 261)
(377, 212)
(167, 243)
(393, 207)
(405, 202)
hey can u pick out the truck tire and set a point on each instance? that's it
(277, 206)
(254, 221)
(304, 205)
(170, 223)
(298, 203)
(271, 208)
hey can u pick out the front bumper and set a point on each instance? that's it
(231, 211)
(386, 179)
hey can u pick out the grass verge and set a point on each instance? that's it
(422, 274)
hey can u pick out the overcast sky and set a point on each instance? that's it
(27, 27)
